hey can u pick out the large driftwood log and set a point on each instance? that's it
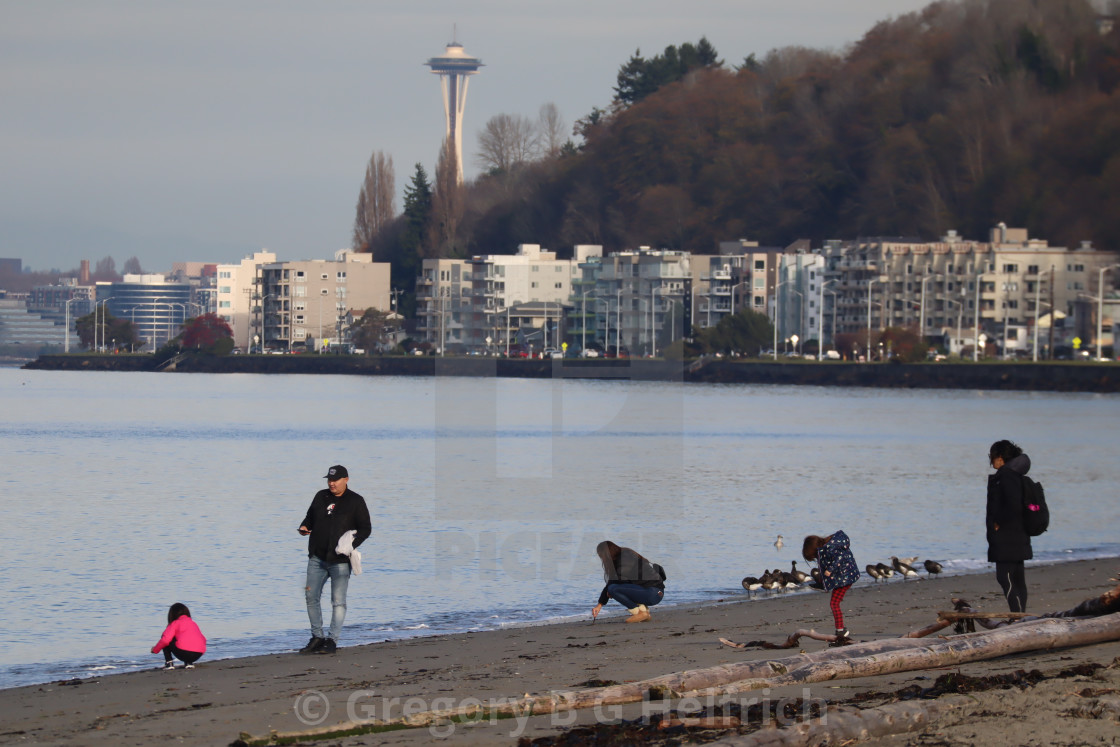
(857, 660)
(844, 724)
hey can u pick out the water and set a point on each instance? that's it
(126, 492)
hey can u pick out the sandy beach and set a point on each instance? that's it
(218, 701)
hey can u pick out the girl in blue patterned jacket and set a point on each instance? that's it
(838, 573)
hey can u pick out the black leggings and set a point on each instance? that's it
(1014, 584)
(187, 657)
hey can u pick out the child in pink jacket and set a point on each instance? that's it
(181, 638)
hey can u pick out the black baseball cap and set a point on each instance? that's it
(336, 472)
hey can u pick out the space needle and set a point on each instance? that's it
(454, 69)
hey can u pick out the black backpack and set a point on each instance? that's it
(1036, 515)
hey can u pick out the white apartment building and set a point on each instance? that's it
(307, 302)
(532, 276)
(998, 291)
(235, 298)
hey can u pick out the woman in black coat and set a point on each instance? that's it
(1008, 543)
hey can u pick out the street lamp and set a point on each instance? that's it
(801, 317)
(583, 322)
(777, 317)
(976, 320)
(1038, 305)
(820, 318)
(870, 283)
(922, 312)
(1100, 309)
(66, 348)
(618, 324)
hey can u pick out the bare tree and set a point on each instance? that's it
(132, 267)
(447, 202)
(552, 130)
(506, 140)
(375, 201)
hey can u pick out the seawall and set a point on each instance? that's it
(1011, 376)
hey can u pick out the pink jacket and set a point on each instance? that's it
(184, 633)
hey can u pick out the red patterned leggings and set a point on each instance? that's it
(834, 605)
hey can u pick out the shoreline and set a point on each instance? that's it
(109, 669)
(1049, 376)
(220, 699)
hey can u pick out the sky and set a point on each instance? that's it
(210, 129)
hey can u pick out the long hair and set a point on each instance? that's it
(812, 544)
(609, 554)
(177, 610)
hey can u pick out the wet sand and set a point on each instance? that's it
(219, 700)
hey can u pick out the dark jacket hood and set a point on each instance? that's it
(1020, 464)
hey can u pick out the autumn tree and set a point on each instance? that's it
(207, 333)
(376, 201)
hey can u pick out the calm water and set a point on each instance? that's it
(127, 492)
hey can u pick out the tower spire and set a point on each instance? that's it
(454, 69)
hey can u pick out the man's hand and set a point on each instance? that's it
(304, 531)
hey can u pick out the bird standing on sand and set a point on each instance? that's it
(905, 569)
(778, 542)
(874, 572)
(885, 570)
(800, 577)
(932, 567)
(750, 583)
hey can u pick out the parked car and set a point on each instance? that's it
(589, 353)
(551, 353)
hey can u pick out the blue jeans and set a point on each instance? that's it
(631, 595)
(318, 571)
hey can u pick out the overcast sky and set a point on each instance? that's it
(206, 130)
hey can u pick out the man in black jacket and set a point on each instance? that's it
(333, 512)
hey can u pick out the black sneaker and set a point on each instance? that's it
(313, 645)
(328, 646)
(842, 638)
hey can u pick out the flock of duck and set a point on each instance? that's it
(779, 580)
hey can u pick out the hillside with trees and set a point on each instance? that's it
(962, 115)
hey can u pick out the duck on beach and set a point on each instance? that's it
(905, 569)
(932, 567)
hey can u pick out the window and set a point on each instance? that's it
(1010, 268)
(225, 275)
(760, 264)
(301, 290)
(559, 285)
(324, 276)
(322, 291)
(1032, 269)
(341, 276)
(223, 304)
(224, 289)
(534, 283)
(536, 268)
(300, 275)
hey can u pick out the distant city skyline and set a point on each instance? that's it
(205, 132)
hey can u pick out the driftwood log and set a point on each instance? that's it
(844, 724)
(857, 660)
(1060, 630)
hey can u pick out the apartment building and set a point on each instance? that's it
(477, 311)
(236, 300)
(305, 304)
(641, 296)
(1003, 291)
